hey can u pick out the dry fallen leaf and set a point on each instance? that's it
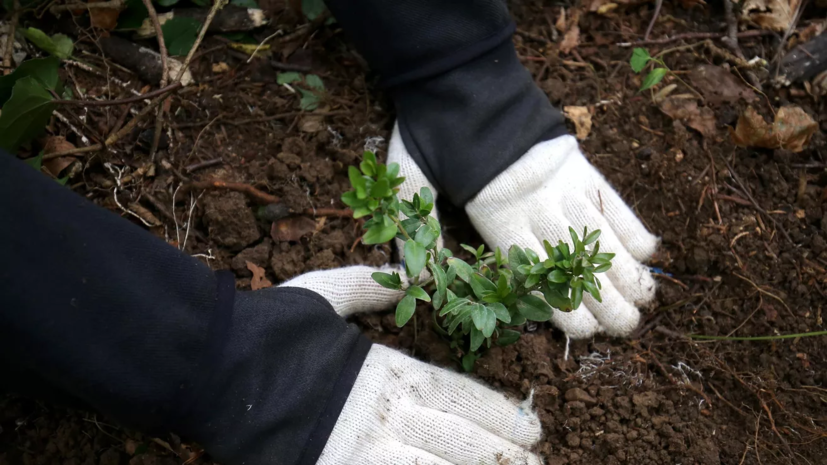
(292, 228)
(718, 85)
(220, 67)
(605, 6)
(791, 130)
(55, 144)
(572, 37)
(770, 14)
(104, 18)
(701, 119)
(582, 119)
(259, 281)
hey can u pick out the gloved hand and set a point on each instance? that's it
(351, 289)
(538, 197)
(405, 412)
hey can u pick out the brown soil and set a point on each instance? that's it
(728, 265)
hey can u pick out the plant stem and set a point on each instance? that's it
(399, 226)
(758, 338)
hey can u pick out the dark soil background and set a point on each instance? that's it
(744, 246)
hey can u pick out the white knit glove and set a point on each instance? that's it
(405, 412)
(550, 188)
(351, 289)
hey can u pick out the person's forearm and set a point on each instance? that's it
(467, 109)
(99, 313)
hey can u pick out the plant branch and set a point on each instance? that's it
(162, 48)
(9, 52)
(108, 103)
(399, 226)
(654, 19)
(694, 36)
(112, 4)
(219, 4)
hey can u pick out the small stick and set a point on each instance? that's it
(258, 47)
(203, 164)
(345, 213)
(162, 48)
(113, 4)
(731, 38)
(694, 36)
(219, 4)
(770, 294)
(107, 103)
(9, 52)
(654, 19)
(260, 196)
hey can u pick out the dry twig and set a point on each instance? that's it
(162, 48)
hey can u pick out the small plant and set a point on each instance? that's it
(640, 59)
(478, 302)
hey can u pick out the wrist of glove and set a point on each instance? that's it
(549, 189)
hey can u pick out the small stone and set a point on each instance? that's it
(573, 440)
(577, 394)
(647, 399)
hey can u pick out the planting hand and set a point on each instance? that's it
(549, 189)
(402, 411)
(351, 289)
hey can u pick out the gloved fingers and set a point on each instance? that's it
(402, 454)
(577, 324)
(415, 178)
(617, 317)
(634, 236)
(463, 397)
(351, 289)
(504, 235)
(632, 279)
(457, 440)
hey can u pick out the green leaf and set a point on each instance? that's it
(549, 249)
(507, 337)
(482, 285)
(44, 70)
(358, 182)
(640, 56)
(35, 162)
(592, 289)
(166, 2)
(415, 256)
(408, 209)
(576, 295)
(557, 299)
(441, 284)
(58, 45)
(410, 226)
(418, 293)
(592, 237)
(532, 280)
(532, 255)
(379, 234)
(390, 281)
(405, 310)
(426, 195)
(534, 308)
(25, 114)
(381, 189)
(462, 269)
(477, 339)
(133, 16)
(517, 257)
(244, 3)
(313, 8)
(315, 82)
(558, 276)
(426, 236)
(470, 249)
(179, 34)
(288, 77)
(309, 100)
(454, 306)
(368, 169)
(602, 268)
(503, 289)
(654, 77)
(468, 361)
(602, 258)
(500, 312)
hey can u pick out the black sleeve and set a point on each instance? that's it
(466, 108)
(99, 313)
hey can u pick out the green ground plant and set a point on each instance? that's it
(640, 59)
(479, 302)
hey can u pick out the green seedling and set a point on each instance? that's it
(478, 302)
(640, 59)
